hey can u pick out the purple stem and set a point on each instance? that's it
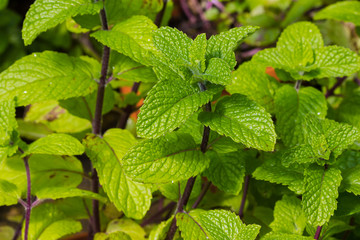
(202, 194)
(338, 83)
(28, 198)
(243, 199)
(187, 11)
(318, 231)
(18, 230)
(218, 4)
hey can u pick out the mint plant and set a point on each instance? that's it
(220, 149)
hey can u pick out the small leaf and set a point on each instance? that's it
(287, 236)
(347, 11)
(48, 75)
(321, 191)
(56, 144)
(348, 111)
(132, 37)
(60, 229)
(197, 52)
(189, 226)
(105, 153)
(168, 104)
(292, 108)
(174, 190)
(9, 193)
(46, 14)
(351, 180)
(159, 232)
(227, 170)
(243, 120)
(7, 121)
(288, 216)
(217, 72)
(223, 45)
(172, 157)
(128, 226)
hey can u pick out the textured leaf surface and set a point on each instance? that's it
(288, 216)
(132, 37)
(273, 171)
(172, 157)
(168, 104)
(223, 45)
(64, 192)
(348, 11)
(243, 120)
(287, 236)
(321, 191)
(227, 170)
(128, 196)
(251, 80)
(59, 229)
(46, 14)
(56, 144)
(7, 121)
(292, 108)
(218, 72)
(173, 192)
(301, 154)
(48, 75)
(190, 227)
(197, 52)
(9, 193)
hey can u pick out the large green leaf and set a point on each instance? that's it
(132, 37)
(251, 80)
(288, 216)
(172, 157)
(292, 107)
(348, 11)
(227, 170)
(56, 144)
(243, 120)
(321, 191)
(168, 104)
(46, 14)
(223, 45)
(48, 75)
(105, 153)
(10, 194)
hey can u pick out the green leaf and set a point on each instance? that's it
(227, 170)
(56, 144)
(3, 4)
(223, 45)
(105, 153)
(348, 11)
(288, 216)
(197, 52)
(7, 121)
(348, 111)
(351, 180)
(190, 227)
(348, 159)
(132, 37)
(348, 204)
(112, 236)
(321, 191)
(168, 104)
(48, 75)
(301, 154)
(65, 192)
(336, 61)
(59, 229)
(9, 193)
(174, 190)
(217, 72)
(159, 232)
(280, 236)
(292, 107)
(128, 226)
(273, 171)
(46, 14)
(243, 120)
(297, 10)
(250, 79)
(172, 157)
(173, 43)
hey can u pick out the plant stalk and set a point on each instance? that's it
(202, 194)
(28, 198)
(243, 199)
(190, 183)
(97, 123)
(298, 85)
(318, 231)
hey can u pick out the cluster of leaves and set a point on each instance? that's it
(300, 145)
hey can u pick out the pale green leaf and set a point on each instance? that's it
(190, 227)
(351, 180)
(159, 232)
(56, 144)
(347, 11)
(132, 37)
(168, 104)
(9, 193)
(46, 14)
(174, 190)
(7, 232)
(65, 192)
(112, 236)
(128, 226)
(7, 121)
(197, 52)
(349, 110)
(172, 157)
(48, 75)
(227, 170)
(105, 153)
(282, 236)
(243, 120)
(321, 191)
(288, 216)
(217, 72)
(336, 61)
(174, 44)
(292, 107)
(223, 45)
(250, 79)
(59, 229)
